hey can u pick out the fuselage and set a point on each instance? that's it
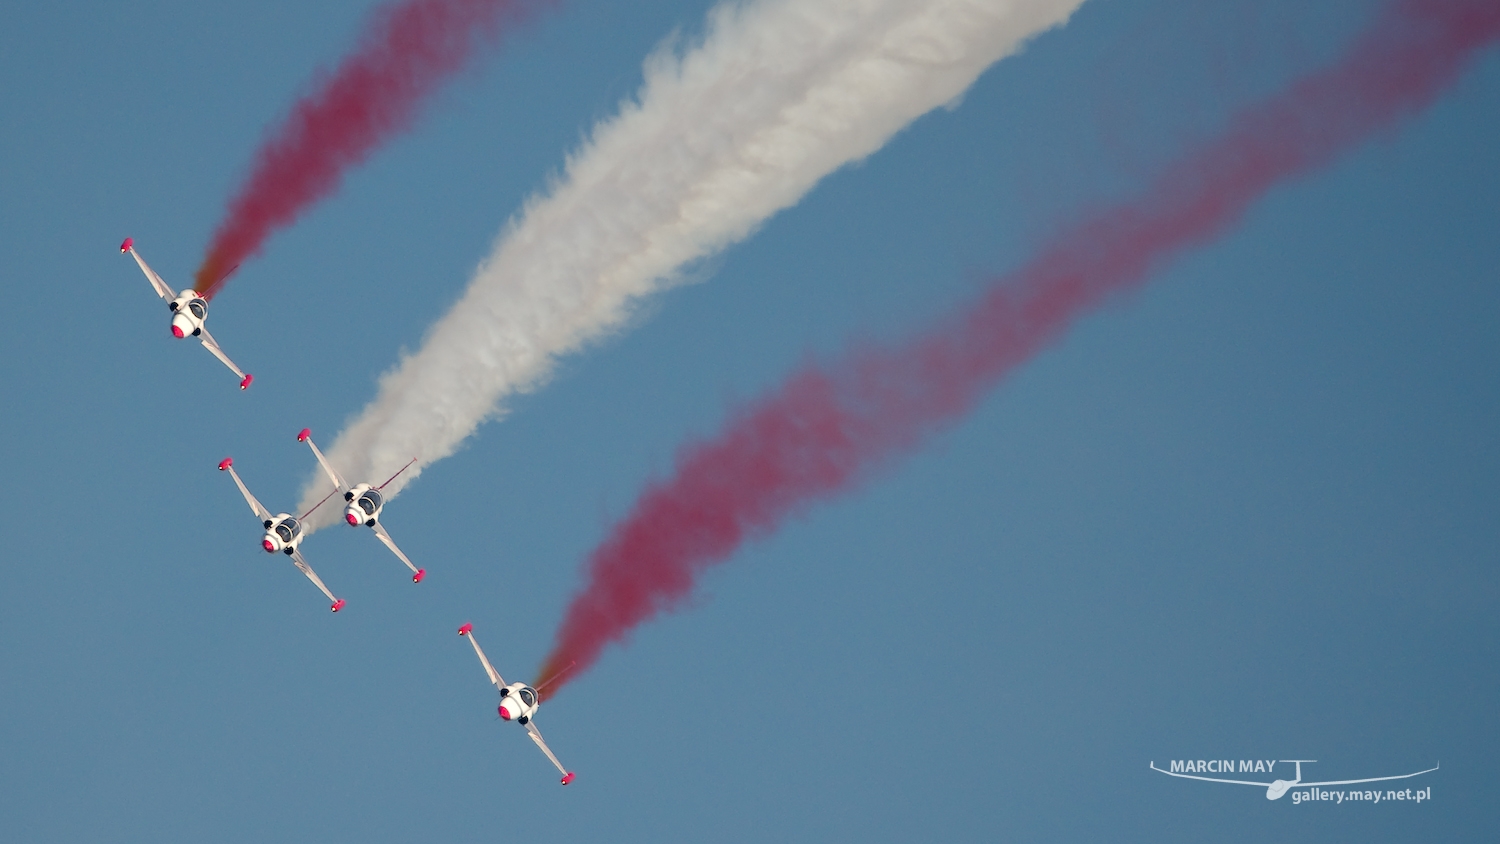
(364, 505)
(189, 310)
(518, 701)
(283, 533)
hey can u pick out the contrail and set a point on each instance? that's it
(777, 94)
(406, 51)
(828, 426)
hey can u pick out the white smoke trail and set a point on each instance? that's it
(778, 94)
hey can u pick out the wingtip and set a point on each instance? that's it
(417, 578)
(245, 383)
(569, 778)
(337, 605)
(125, 247)
(303, 434)
(466, 629)
(226, 463)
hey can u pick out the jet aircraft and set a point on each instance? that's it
(283, 532)
(189, 311)
(363, 502)
(518, 702)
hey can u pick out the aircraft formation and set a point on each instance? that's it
(363, 505)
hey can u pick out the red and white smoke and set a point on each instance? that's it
(829, 425)
(408, 49)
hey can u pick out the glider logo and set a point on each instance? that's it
(1193, 769)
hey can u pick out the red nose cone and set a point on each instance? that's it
(337, 605)
(268, 545)
(505, 713)
(417, 578)
(351, 518)
(177, 332)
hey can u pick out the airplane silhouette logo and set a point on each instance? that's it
(1276, 788)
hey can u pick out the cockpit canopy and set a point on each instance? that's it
(528, 696)
(369, 502)
(288, 529)
(198, 307)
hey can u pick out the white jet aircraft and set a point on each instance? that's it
(518, 702)
(363, 502)
(283, 532)
(189, 310)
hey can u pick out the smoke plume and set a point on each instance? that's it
(406, 51)
(777, 94)
(829, 425)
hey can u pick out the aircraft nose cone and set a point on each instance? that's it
(505, 713)
(266, 544)
(177, 332)
(351, 518)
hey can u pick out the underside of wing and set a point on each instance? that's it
(484, 660)
(213, 347)
(255, 506)
(383, 536)
(536, 736)
(306, 569)
(161, 287)
(338, 480)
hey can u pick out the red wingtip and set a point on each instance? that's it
(567, 779)
(245, 384)
(463, 631)
(226, 463)
(303, 434)
(338, 605)
(417, 578)
(129, 242)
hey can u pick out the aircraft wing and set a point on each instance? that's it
(468, 630)
(381, 534)
(160, 286)
(306, 569)
(1212, 779)
(338, 480)
(1371, 779)
(213, 347)
(536, 736)
(255, 506)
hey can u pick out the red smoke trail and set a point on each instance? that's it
(821, 431)
(406, 51)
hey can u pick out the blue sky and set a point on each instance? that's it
(1246, 513)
